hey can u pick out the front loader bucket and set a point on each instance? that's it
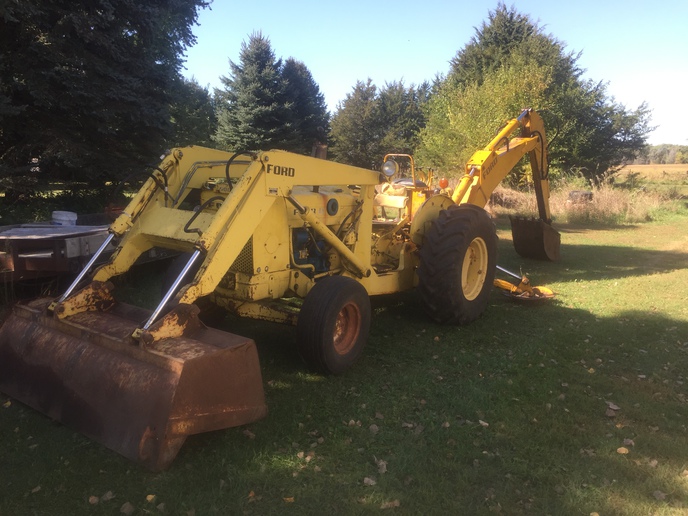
(88, 373)
(534, 238)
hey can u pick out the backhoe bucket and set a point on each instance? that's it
(534, 238)
(142, 401)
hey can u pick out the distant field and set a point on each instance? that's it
(657, 171)
(671, 179)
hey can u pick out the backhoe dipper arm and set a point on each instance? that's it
(488, 167)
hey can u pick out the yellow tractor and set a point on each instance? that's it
(269, 235)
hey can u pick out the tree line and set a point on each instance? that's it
(665, 154)
(92, 92)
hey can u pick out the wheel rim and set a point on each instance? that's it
(347, 328)
(474, 269)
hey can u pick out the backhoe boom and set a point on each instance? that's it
(488, 167)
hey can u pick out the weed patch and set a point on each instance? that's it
(611, 202)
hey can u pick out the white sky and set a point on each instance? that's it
(639, 48)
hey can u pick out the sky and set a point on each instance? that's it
(639, 49)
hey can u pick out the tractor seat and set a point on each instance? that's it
(407, 181)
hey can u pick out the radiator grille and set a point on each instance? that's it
(244, 262)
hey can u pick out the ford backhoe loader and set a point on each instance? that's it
(269, 235)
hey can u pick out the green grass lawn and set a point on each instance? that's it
(572, 407)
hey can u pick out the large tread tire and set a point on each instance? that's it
(333, 325)
(457, 265)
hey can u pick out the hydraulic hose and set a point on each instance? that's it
(229, 162)
(197, 212)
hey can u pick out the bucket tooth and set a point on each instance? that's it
(87, 372)
(534, 238)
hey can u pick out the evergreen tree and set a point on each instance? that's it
(254, 112)
(402, 116)
(370, 123)
(267, 103)
(357, 127)
(310, 118)
(491, 45)
(85, 89)
(193, 115)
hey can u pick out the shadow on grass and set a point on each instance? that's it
(596, 262)
(502, 222)
(617, 262)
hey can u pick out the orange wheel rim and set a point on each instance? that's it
(347, 328)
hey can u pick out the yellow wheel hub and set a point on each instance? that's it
(474, 269)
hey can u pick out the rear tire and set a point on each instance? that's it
(333, 324)
(457, 265)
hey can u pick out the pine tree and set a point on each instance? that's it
(401, 112)
(357, 127)
(370, 123)
(309, 111)
(491, 45)
(85, 89)
(267, 103)
(193, 115)
(254, 112)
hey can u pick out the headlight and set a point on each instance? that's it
(390, 168)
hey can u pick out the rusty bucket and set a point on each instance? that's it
(87, 372)
(534, 238)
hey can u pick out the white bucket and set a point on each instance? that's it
(64, 218)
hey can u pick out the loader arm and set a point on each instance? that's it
(220, 228)
(221, 233)
(488, 167)
(272, 178)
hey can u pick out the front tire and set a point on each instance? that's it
(333, 324)
(457, 265)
